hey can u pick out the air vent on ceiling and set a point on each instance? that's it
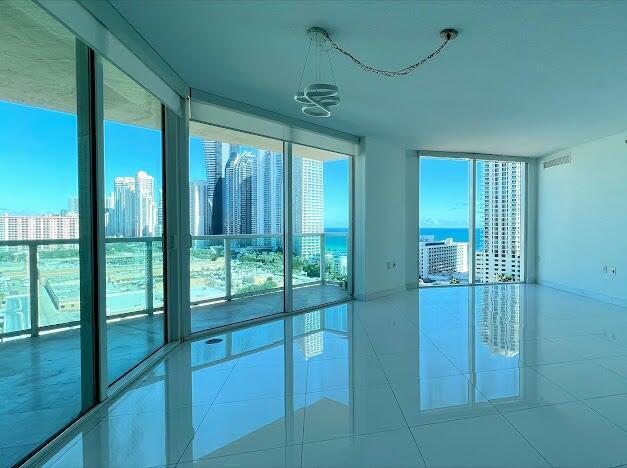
(559, 161)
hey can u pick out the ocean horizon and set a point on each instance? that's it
(457, 234)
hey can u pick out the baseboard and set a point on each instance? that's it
(585, 293)
(413, 285)
(379, 294)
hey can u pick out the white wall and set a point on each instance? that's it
(384, 196)
(582, 220)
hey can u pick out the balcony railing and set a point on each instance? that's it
(232, 273)
(48, 275)
(40, 279)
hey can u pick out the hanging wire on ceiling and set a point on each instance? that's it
(447, 36)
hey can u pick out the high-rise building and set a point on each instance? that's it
(212, 155)
(308, 204)
(240, 201)
(72, 204)
(199, 208)
(499, 258)
(146, 207)
(124, 219)
(159, 228)
(269, 196)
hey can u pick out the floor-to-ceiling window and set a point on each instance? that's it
(320, 224)
(134, 222)
(471, 220)
(236, 223)
(499, 188)
(444, 221)
(40, 344)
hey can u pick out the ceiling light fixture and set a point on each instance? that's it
(317, 98)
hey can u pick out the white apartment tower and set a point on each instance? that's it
(442, 258)
(499, 258)
(308, 204)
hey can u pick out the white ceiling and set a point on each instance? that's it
(523, 78)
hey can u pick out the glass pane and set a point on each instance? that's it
(14, 289)
(40, 370)
(59, 285)
(236, 223)
(444, 221)
(133, 222)
(320, 218)
(498, 221)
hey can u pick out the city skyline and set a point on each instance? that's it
(51, 162)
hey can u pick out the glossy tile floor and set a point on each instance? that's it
(40, 379)
(508, 375)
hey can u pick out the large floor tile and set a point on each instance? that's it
(418, 364)
(330, 374)
(612, 407)
(572, 435)
(538, 352)
(518, 388)
(440, 399)
(382, 449)
(246, 383)
(617, 364)
(584, 379)
(135, 440)
(485, 441)
(244, 426)
(281, 457)
(592, 346)
(360, 410)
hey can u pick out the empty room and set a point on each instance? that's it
(317, 233)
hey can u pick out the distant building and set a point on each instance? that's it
(199, 208)
(240, 201)
(134, 212)
(308, 204)
(212, 156)
(442, 258)
(499, 257)
(72, 204)
(48, 226)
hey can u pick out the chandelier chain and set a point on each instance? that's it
(403, 71)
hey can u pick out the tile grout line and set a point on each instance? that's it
(394, 394)
(207, 412)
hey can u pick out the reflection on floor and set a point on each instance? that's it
(218, 314)
(507, 375)
(40, 379)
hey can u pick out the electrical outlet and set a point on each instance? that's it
(605, 269)
(389, 265)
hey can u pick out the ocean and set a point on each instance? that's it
(458, 234)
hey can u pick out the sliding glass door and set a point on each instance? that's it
(320, 224)
(238, 200)
(236, 224)
(41, 371)
(133, 161)
(444, 221)
(471, 221)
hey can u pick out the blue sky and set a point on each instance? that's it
(37, 175)
(444, 193)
